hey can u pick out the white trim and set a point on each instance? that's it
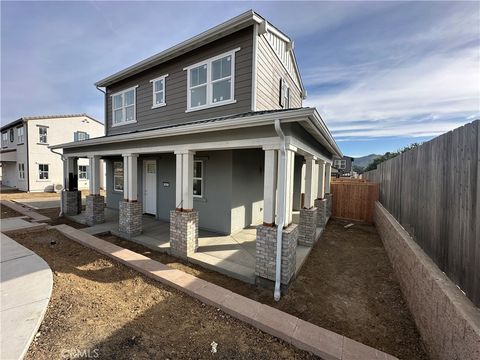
(123, 108)
(209, 82)
(153, 81)
(254, 67)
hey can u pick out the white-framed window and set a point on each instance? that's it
(158, 88)
(198, 178)
(340, 164)
(42, 135)
(80, 136)
(4, 139)
(83, 172)
(21, 171)
(284, 94)
(211, 82)
(124, 106)
(118, 175)
(43, 171)
(20, 135)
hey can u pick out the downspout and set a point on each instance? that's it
(63, 160)
(282, 160)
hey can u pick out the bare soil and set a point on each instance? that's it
(108, 311)
(347, 285)
(7, 212)
(53, 213)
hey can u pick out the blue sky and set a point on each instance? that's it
(382, 74)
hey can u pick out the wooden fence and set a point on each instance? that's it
(434, 192)
(354, 199)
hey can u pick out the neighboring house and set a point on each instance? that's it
(27, 162)
(343, 166)
(205, 134)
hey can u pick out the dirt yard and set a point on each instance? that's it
(53, 213)
(346, 285)
(6, 212)
(104, 309)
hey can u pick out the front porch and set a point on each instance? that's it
(232, 255)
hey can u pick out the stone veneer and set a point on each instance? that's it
(307, 227)
(183, 233)
(71, 202)
(447, 321)
(321, 205)
(266, 250)
(95, 209)
(130, 218)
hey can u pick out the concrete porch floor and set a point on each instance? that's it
(232, 255)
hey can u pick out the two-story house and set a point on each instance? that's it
(205, 134)
(27, 162)
(343, 166)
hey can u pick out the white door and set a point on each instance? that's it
(150, 187)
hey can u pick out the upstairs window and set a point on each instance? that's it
(212, 82)
(20, 135)
(158, 86)
(12, 135)
(80, 136)
(4, 139)
(284, 94)
(124, 107)
(42, 135)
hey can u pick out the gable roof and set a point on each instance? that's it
(26, 118)
(239, 22)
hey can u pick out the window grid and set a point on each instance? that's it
(43, 171)
(21, 171)
(198, 178)
(20, 135)
(4, 139)
(83, 172)
(118, 176)
(124, 105)
(42, 135)
(159, 91)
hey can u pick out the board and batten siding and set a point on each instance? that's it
(176, 86)
(269, 72)
(434, 193)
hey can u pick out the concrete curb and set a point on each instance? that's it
(25, 210)
(27, 282)
(306, 336)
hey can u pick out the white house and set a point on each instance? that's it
(27, 162)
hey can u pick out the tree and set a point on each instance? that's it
(389, 155)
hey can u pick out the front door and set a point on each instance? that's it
(150, 187)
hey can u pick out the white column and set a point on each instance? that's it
(309, 181)
(184, 180)
(130, 177)
(321, 179)
(328, 177)
(94, 181)
(290, 157)
(270, 186)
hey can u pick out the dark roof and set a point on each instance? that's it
(26, 118)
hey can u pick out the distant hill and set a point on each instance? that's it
(365, 160)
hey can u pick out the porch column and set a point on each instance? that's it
(270, 187)
(308, 214)
(321, 201)
(130, 210)
(95, 204)
(328, 177)
(71, 198)
(184, 220)
(290, 159)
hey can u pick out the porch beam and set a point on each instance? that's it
(270, 187)
(328, 177)
(309, 181)
(321, 179)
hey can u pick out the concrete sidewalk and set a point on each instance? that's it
(26, 283)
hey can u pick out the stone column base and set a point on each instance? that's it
(95, 210)
(307, 227)
(329, 198)
(183, 233)
(266, 250)
(71, 202)
(130, 218)
(321, 205)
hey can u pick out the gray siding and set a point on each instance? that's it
(269, 72)
(176, 86)
(112, 197)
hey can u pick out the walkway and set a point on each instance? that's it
(26, 282)
(232, 255)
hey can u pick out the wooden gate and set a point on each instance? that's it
(354, 199)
